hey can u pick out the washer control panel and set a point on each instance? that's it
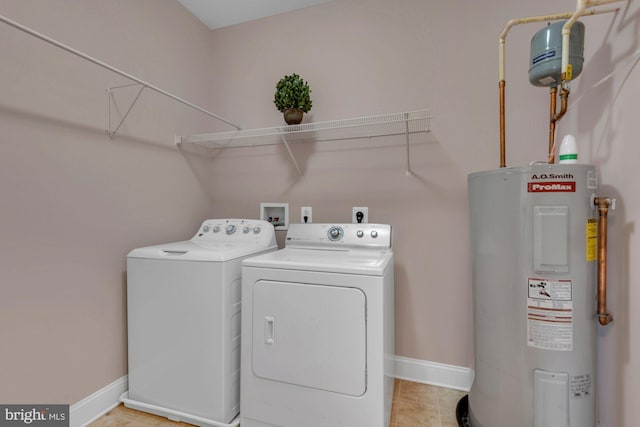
(339, 235)
(240, 230)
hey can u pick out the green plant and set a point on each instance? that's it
(292, 92)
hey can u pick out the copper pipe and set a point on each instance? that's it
(503, 160)
(603, 205)
(564, 103)
(555, 117)
(552, 124)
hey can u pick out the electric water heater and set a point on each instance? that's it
(534, 246)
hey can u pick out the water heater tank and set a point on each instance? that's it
(534, 246)
(545, 62)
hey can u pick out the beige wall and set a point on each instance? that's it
(77, 202)
(364, 57)
(74, 202)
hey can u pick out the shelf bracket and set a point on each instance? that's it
(406, 126)
(111, 68)
(293, 159)
(110, 132)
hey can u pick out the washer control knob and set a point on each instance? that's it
(360, 233)
(230, 229)
(335, 233)
(246, 230)
(256, 230)
(216, 229)
(374, 234)
(206, 229)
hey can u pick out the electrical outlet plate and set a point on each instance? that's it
(354, 214)
(306, 211)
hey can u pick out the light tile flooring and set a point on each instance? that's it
(421, 405)
(414, 405)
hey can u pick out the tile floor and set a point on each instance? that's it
(414, 405)
(422, 405)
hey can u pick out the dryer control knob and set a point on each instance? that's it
(216, 229)
(206, 229)
(374, 234)
(256, 230)
(246, 230)
(360, 233)
(230, 229)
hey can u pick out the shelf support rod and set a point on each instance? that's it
(406, 128)
(84, 56)
(293, 159)
(110, 95)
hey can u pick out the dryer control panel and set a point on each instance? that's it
(347, 236)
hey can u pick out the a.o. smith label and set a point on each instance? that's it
(34, 415)
(552, 187)
(548, 176)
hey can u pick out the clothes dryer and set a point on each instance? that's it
(183, 309)
(317, 329)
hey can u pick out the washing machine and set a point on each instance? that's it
(183, 317)
(317, 329)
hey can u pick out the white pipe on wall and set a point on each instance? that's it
(581, 7)
(565, 73)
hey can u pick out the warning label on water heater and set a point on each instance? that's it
(550, 314)
(581, 386)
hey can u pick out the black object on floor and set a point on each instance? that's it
(462, 412)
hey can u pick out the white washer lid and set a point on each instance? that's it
(201, 251)
(364, 262)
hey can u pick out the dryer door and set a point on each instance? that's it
(310, 335)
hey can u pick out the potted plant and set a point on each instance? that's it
(292, 98)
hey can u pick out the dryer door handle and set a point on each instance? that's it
(269, 329)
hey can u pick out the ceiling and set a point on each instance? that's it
(221, 13)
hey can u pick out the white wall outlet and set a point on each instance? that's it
(360, 215)
(306, 214)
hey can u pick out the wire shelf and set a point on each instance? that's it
(362, 127)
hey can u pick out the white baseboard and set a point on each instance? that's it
(421, 371)
(92, 407)
(438, 374)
